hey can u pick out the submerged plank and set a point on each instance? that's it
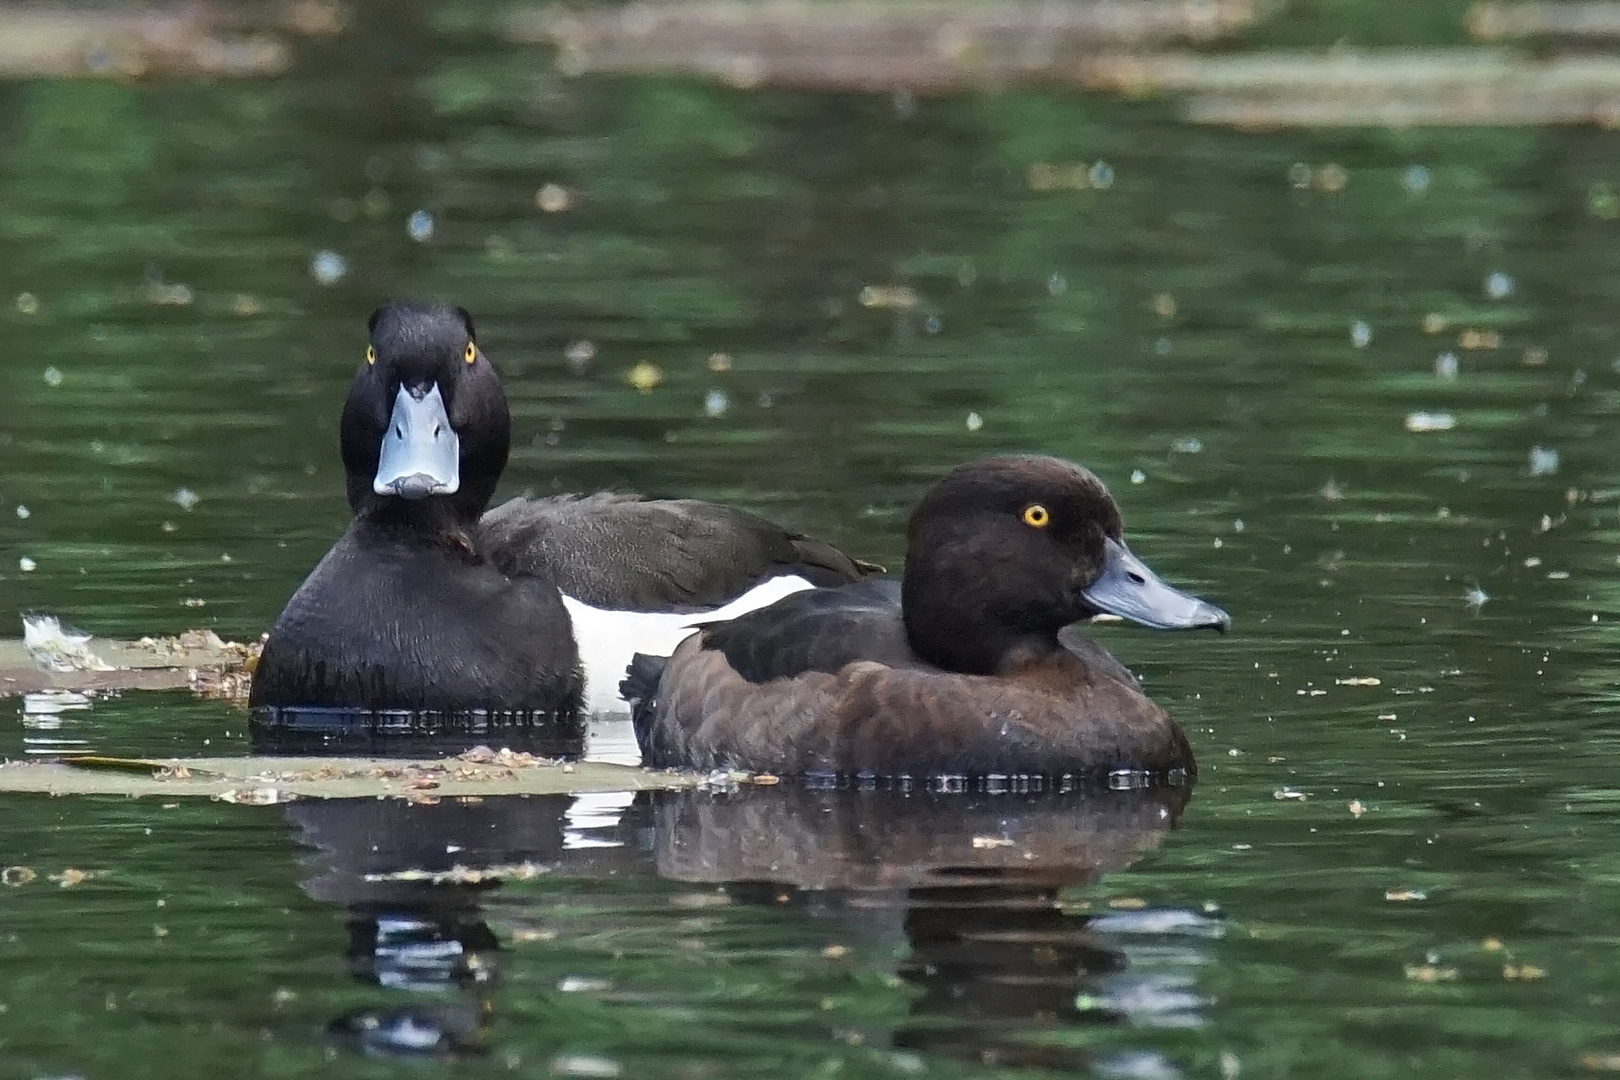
(1577, 20)
(137, 41)
(929, 45)
(1389, 88)
(280, 779)
(196, 660)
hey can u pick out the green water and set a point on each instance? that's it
(1360, 866)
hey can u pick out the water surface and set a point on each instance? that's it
(1410, 877)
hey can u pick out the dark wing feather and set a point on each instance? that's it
(816, 630)
(632, 554)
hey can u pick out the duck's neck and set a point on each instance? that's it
(438, 521)
(950, 626)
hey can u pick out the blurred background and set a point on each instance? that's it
(1325, 290)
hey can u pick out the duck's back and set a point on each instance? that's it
(385, 622)
(625, 553)
(825, 682)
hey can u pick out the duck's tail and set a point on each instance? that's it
(640, 688)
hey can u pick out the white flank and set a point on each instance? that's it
(608, 639)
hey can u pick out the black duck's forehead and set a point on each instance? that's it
(1012, 483)
(400, 330)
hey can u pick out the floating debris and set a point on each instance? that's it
(1499, 286)
(27, 565)
(17, 876)
(1401, 896)
(1430, 973)
(888, 296)
(1138, 476)
(1420, 422)
(1360, 334)
(645, 376)
(27, 303)
(719, 362)
(579, 355)
(585, 1065)
(1360, 680)
(1415, 179)
(1522, 972)
(53, 377)
(1476, 598)
(55, 646)
(1189, 444)
(553, 199)
(1446, 366)
(185, 498)
(975, 422)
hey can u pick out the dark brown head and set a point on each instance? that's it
(1004, 552)
(426, 421)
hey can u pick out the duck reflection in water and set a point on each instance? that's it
(958, 894)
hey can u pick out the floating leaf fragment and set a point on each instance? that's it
(1404, 895)
(1430, 973)
(645, 376)
(1522, 972)
(1359, 680)
(16, 876)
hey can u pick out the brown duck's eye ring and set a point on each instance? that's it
(371, 354)
(1036, 516)
(471, 354)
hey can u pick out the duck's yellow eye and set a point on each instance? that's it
(1036, 517)
(371, 355)
(471, 354)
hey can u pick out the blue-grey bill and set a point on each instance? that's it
(421, 454)
(1127, 588)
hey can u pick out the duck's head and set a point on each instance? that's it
(1006, 551)
(426, 420)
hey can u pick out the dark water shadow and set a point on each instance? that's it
(964, 892)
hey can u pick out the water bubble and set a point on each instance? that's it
(974, 421)
(1499, 286)
(1415, 179)
(23, 512)
(1057, 284)
(1543, 461)
(53, 377)
(1360, 334)
(933, 324)
(420, 226)
(716, 403)
(185, 498)
(1446, 365)
(1101, 175)
(328, 267)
